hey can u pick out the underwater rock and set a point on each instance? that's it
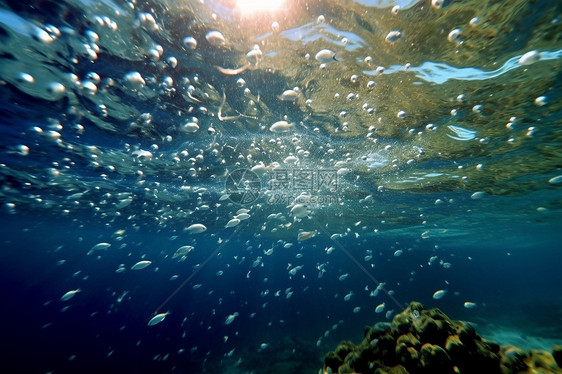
(427, 341)
(407, 347)
(333, 360)
(543, 360)
(434, 358)
(557, 354)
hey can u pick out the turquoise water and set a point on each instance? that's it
(277, 179)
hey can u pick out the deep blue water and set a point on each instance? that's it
(510, 294)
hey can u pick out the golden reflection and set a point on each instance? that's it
(252, 6)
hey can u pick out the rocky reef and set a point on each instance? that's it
(427, 341)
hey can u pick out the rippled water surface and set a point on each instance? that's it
(283, 171)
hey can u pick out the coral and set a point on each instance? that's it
(427, 341)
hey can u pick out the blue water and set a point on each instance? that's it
(442, 159)
(501, 277)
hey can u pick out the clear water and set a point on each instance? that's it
(440, 170)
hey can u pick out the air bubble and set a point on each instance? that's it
(172, 62)
(22, 150)
(135, 80)
(25, 78)
(92, 36)
(393, 36)
(437, 4)
(90, 87)
(541, 100)
(215, 38)
(190, 42)
(455, 36)
(56, 90)
(477, 108)
(154, 55)
(93, 77)
(474, 22)
(529, 58)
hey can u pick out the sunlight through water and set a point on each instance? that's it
(247, 7)
(223, 186)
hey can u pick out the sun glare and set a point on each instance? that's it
(251, 6)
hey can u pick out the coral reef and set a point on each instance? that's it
(427, 341)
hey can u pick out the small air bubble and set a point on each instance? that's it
(393, 36)
(172, 62)
(190, 42)
(474, 21)
(455, 36)
(541, 100)
(437, 4)
(477, 108)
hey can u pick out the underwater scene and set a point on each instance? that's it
(281, 186)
